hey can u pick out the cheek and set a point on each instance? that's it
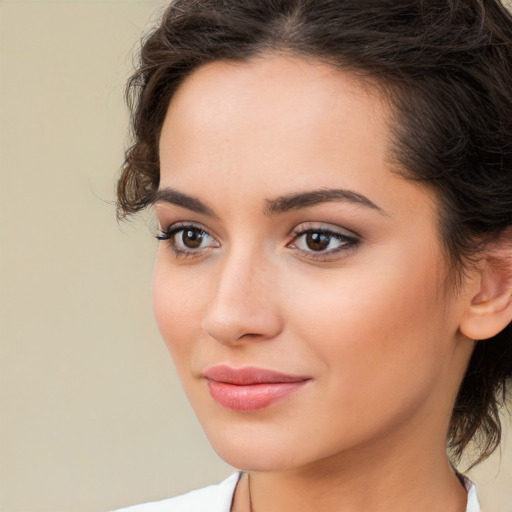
(374, 324)
(178, 301)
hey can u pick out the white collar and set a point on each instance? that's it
(473, 505)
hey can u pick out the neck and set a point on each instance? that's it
(370, 482)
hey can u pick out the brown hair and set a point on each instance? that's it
(446, 66)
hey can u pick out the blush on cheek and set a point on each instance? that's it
(167, 307)
(177, 308)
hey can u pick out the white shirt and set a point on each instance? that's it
(218, 498)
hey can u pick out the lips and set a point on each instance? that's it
(250, 389)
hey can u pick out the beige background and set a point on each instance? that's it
(92, 416)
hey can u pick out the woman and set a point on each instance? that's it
(333, 186)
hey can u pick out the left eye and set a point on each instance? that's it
(185, 239)
(317, 240)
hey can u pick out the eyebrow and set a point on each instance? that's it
(169, 195)
(281, 204)
(305, 199)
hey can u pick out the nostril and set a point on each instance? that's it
(242, 324)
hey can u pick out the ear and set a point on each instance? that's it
(490, 308)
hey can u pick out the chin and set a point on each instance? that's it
(257, 448)
(248, 459)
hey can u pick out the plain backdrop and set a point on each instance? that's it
(92, 415)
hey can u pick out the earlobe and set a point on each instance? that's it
(490, 308)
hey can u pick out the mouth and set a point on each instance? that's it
(250, 389)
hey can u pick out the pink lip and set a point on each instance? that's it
(250, 389)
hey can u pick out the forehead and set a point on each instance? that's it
(269, 76)
(271, 96)
(273, 117)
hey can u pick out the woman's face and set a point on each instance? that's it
(300, 285)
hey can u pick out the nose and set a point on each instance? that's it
(245, 304)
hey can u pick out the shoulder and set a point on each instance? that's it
(214, 498)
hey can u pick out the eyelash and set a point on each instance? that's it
(168, 234)
(348, 242)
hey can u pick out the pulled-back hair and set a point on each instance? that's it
(445, 67)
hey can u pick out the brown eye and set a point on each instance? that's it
(321, 243)
(192, 238)
(317, 241)
(187, 240)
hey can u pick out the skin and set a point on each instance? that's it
(372, 324)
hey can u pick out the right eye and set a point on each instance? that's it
(187, 239)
